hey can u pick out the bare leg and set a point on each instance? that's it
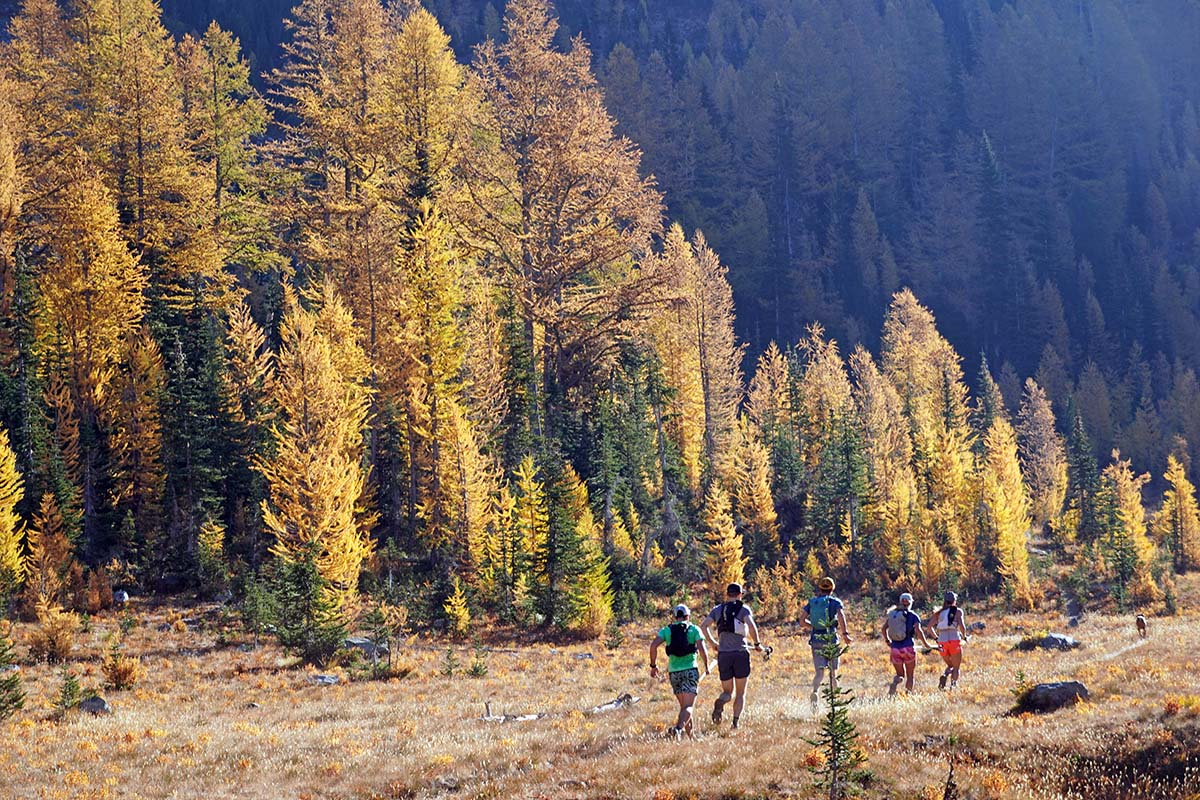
(739, 699)
(722, 699)
(910, 671)
(896, 681)
(686, 701)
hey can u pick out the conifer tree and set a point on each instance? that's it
(1083, 482)
(12, 696)
(1126, 550)
(1177, 523)
(723, 557)
(314, 474)
(12, 490)
(581, 209)
(1043, 455)
(759, 522)
(531, 521)
(1005, 508)
(458, 613)
(48, 558)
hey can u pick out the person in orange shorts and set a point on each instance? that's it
(951, 631)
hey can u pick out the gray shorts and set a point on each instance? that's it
(819, 659)
(686, 681)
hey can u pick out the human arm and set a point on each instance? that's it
(841, 618)
(962, 627)
(658, 641)
(705, 625)
(752, 628)
(921, 631)
(704, 654)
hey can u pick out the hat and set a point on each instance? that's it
(906, 599)
(682, 611)
(733, 588)
(826, 585)
(949, 598)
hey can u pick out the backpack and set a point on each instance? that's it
(897, 625)
(819, 612)
(729, 614)
(951, 612)
(679, 644)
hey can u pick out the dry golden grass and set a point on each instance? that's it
(187, 730)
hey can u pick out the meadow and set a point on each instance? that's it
(214, 718)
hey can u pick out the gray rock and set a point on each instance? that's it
(366, 645)
(11, 668)
(1058, 641)
(978, 625)
(252, 705)
(95, 705)
(583, 656)
(1046, 697)
(325, 680)
(245, 648)
(1073, 622)
(1074, 607)
(120, 598)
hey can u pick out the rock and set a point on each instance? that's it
(583, 656)
(1074, 607)
(366, 645)
(1046, 697)
(325, 680)
(245, 648)
(976, 626)
(252, 705)
(1073, 622)
(1057, 641)
(10, 668)
(164, 627)
(95, 705)
(120, 598)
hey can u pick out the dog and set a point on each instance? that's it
(1141, 625)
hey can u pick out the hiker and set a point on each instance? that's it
(951, 631)
(825, 615)
(683, 639)
(734, 622)
(899, 626)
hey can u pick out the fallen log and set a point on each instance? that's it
(622, 701)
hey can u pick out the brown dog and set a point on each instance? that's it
(1141, 625)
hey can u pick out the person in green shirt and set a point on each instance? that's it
(683, 641)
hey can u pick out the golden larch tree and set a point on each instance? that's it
(48, 558)
(136, 437)
(315, 475)
(1177, 523)
(723, 544)
(1005, 511)
(12, 490)
(1043, 455)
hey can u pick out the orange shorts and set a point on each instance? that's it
(951, 648)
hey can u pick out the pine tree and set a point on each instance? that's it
(1177, 523)
(1126, 550)
(1043, 455)
(12, 490)
(12, 696)
(1083, 482)
(1005, 511)
(314, 474)
(136, 439)
(531, 521)
(723, 556)
(307, 617)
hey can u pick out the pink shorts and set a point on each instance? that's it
(903, 655)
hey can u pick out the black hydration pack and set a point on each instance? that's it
(729, 615)
(679, 644)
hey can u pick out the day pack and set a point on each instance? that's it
(679, 644)
(729, 614)
(819, 614)
(897, 625)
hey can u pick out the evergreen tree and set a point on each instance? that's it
(12, 696)
(307, 617)
(458, 613)
(1124, 546)
(1083, 482)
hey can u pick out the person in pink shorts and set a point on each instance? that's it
(899, 626)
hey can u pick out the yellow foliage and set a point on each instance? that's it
(724, 558)
(12, 490)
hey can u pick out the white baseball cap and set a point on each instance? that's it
(906, 599)
(682, 611)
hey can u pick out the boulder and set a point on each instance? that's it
(976, 626)
(325, 680)
(369, 648)
(1047, 697)
(95, 705)
(120, 598)
(1057, 641)
(583, 656)
(1073, 622)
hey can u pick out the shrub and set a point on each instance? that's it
(99, 591)
(121, 671)
(54, 637)
(458, 613)
(70, 693)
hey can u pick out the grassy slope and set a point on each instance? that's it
(186, 731)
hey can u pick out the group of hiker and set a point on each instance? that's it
(828, 636)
